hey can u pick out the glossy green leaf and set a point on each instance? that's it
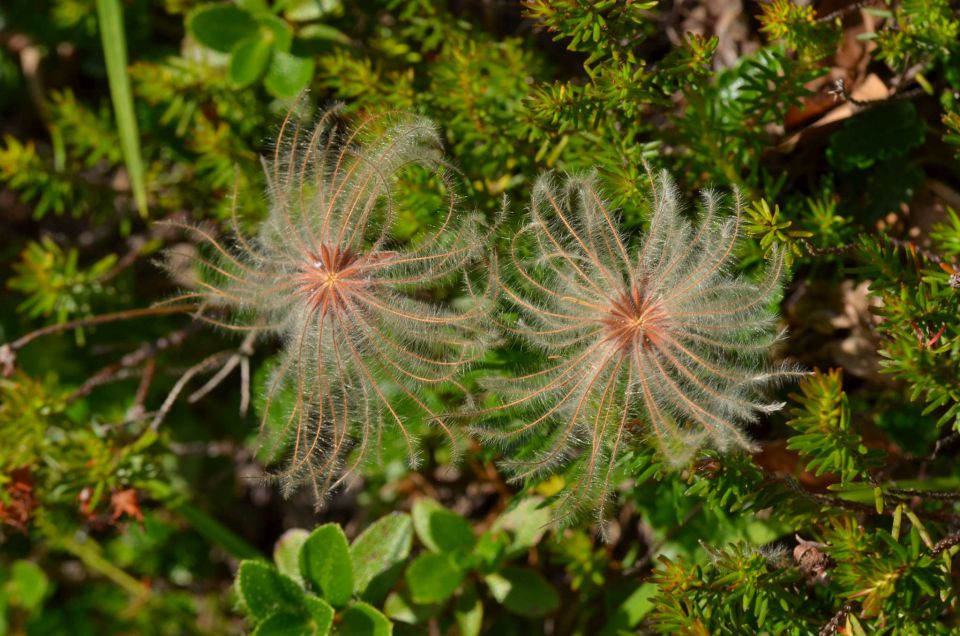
(221, 26)
(288, 74)
(527, 521)
(441, 530)
(491, 550)
(468, 611)
(256, 7)
(277, 32)
(523, 592)
(307, 10)
(323, 32)
(28, 585)
(249, 59)
(325, 563)
(631, 611)
(433, 577)
(399, 607)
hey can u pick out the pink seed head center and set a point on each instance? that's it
(331, 278)
(634, 320)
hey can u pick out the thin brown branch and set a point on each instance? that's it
(839, 91)
(850, 8)
(833, 626)
(941, 495)
(144, 353)
(945, 544)
(149, 368)
(241, 357)
(128, 314)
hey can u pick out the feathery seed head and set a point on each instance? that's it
(661, 333)
(325, 276)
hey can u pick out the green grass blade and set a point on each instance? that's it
(115, 52)
(217, 533)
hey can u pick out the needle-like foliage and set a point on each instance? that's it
(658, 339)
(360, 336)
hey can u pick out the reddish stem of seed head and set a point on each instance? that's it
(634, 320)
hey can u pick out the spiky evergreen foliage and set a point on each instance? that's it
(659, 340)
(325, 277)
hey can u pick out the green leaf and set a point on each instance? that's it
(221, 26)
(321, 612)
(469, 612)
(272, 443)
(323, 32)
(379, 548)
(325, 563)
(307, 10)
(527, 521)
(284, 624)
(399, 607)
(277, 32)
(286, 553)
(631, 611)
(114, 41)
(217, 533)
(265, 591)
(523, 592)
(858, 146)
(491, 550)
(433, 578)
(28, 585)
(361, 619)
(256, 7)
(288, 74)
(441, 530)
(248, 60)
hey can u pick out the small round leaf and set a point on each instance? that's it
(286, 552)
(361, 619)
(248, 60)
(325, 563)
(523, 592)
(284, 624)
(433, 578)
(380, 547)
(288, 74)
(441, 530)
(221, 26)
(265, 591)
